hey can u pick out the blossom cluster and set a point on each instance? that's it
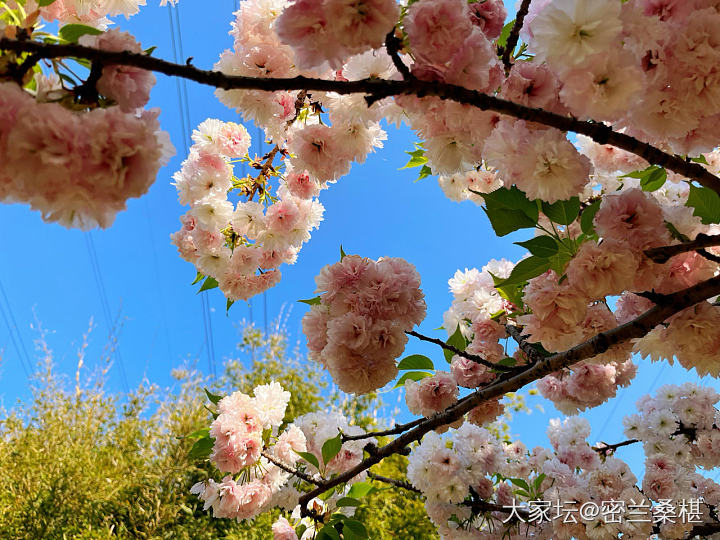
(247, 444)
(89, 12)
(227, 242)
(357, 328)
(79, 167)
(677, 428)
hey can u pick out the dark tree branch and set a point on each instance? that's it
(609, 449)
(393, 44)
(662, 254)
(397, 483)
(455, 350)
(309, 479)
(709, 256)
(598, 344)
(531, 352)
(399, 428)
(378, 89)
(512, 39)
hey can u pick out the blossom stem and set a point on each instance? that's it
(377, 89)
(399, 428)
(309, 479)
(455, 350)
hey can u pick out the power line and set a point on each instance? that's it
(105, 305)
(12, 335)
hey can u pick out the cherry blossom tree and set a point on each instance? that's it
(593, 124)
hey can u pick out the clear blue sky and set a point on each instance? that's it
(377, 210)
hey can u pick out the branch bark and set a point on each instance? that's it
(512, 39)
(663, 254)
(455, 350)
(377, 89)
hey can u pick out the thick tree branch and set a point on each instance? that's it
(638, 327)
(474, 357)
(512, 39)
(662, 254)
(309, 479)
(378, 89)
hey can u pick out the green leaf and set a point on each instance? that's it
(586, 219)
(505, 34)
(519, 482)
(214, 398)
(424, 173)
(458, 341)
(310, 458)
(324, 496)
(228, 305)
(416, 361)
(300, 529)
(509, 210)
(147, 51)
(311, 301)
(677, 235)
(328, 532)
(200, 433)
(213, 413)
(347, 501)
(538, 481)
(542, 246)
(522, 493)
(342, 254)
(562, 212)
(202, 448)
(559, 261)
(355, 527)
(417, 158)
(654, 181)
(199, 276)
(651, 179)
(526, 269)
(511, 293)
(700, 159)
(706, 204)
(331, 448)
(508, 362)
(413, 376)
(209, 283)
(73, 32)
(360, 490)
(45, 3)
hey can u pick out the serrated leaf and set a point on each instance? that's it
(519, 482)
(347, 501)
(538, 481)
(199, 277)
(542, 246)
(504, 222)
(424, 173)
(654, 181)
(355, 527)
(525, 270)
(413, 376)
(73, 32)
(416, 361)
(331, 448)
(505, 34)
(310, 458)
(522, 493)
(360, 490)
(214, 398)
(458, 341)
(202, 448)
(342, 253)
(311, 301)
(586, 219)
(559, 261)
(706, 204)
(209, 283)
(417, 159)
(562, 212)
(511, 199)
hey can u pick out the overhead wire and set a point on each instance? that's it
(19, 349)
(185, 123)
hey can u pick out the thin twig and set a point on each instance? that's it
(531, 352)
(514, 35)
(609, 449)
(455, 350)
(377, 89)
(662, 254)
(309, 479)
(397, 483)
(399, 428)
